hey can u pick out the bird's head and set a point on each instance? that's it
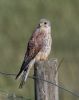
(45, 25)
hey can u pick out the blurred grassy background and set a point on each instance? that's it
(18, 18)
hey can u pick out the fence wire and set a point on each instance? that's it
(34, 77)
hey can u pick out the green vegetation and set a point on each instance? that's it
(17, 21)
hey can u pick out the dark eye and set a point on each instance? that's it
(45, 23)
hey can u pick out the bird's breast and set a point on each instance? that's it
(47, 44)
(46, 48)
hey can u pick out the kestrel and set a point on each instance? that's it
(38, 48)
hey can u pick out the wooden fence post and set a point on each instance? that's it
(46, 70)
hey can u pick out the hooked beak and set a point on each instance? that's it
(39, 25)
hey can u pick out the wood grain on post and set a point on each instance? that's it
(46, 70)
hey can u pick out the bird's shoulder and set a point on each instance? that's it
(35, 43)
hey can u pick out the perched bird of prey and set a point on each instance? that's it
(38, 48)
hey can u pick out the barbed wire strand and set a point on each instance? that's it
(52, 83)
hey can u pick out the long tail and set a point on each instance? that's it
(24, 76)
(24, 73)
(23, 67)
(23, 79)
